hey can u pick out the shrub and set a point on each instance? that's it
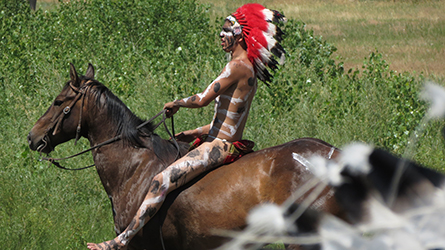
(150, 52)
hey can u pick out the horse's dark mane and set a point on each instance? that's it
(126, 121)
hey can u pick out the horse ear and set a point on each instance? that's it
(90, 72)
(73, 75)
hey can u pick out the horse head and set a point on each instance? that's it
(63, 119)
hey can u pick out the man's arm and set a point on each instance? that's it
(228, 76)
(190, 135)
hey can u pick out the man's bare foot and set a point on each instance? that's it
(107, 245)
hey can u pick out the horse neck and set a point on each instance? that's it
(118, 163)
(96, 125)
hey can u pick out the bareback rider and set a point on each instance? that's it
(252, 40)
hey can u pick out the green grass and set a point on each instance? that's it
(134, 48)
(409, 34)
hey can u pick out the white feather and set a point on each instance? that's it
(268, 14)
(434, 94)
(265, 54)
(282, 59)
(271, 29)
(336, 234)
(326, 170)
(267, 218)
(379, 216)
(270, 40)
(356, 157)
(259, 65)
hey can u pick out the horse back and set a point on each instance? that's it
(222, 198)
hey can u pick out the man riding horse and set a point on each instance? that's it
(252, 40)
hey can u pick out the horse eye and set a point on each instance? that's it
(57, 103)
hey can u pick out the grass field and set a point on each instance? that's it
(134, 46)
(410, 34)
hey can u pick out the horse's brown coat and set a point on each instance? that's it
(219, 199)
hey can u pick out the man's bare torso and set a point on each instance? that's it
(233, 105)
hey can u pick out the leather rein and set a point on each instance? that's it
(81, 92)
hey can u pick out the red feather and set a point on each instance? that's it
(253, 21)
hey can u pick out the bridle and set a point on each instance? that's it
(56, 123)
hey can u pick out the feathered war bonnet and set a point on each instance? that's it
(262, 37)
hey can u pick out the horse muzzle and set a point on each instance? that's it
(41, 145)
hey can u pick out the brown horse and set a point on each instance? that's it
(219, 199)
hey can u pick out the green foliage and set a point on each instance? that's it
(121, 35)
(381, 105)
(312, 55)
(150, 52)
(401, 93)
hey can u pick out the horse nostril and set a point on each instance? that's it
(29, 139)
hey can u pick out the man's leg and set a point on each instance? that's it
(207, 156)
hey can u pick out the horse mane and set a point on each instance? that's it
(126, 121)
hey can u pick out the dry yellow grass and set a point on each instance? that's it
(410, 34)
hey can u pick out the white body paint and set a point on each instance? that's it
(224, 33)
(331, 152)
(224, 74)
(124, 237)
(186, 99)
(302, 160)
(239, 118)
(199, 130)
(203, 94)
(232, 99)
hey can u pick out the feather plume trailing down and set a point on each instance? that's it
(434, 94)
(262, 38)
(413, 217)
(417, 221)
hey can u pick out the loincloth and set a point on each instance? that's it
(236, 151)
